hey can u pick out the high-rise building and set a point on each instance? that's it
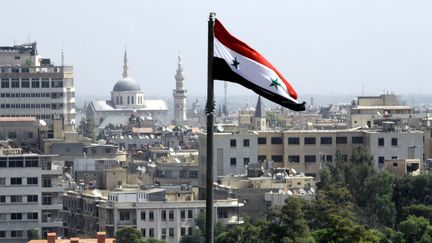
(179, 94)
(30, 195)
(32, 86)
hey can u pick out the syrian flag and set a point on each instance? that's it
(237, 62)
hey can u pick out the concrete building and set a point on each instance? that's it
(126, 98)
(159, 213)
(179, 95)
(32, 86)
(402, 167)
(232, 153)
(23, 130)
(369, 111)
(31, 194)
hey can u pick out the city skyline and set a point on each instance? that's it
(321, 47)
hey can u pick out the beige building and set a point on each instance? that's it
(402, 167)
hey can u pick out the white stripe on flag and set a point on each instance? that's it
(251, 70)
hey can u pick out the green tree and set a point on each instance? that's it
(416, 229)
(86, 128)
(292, 219)
(128, 235)
(151, 240)
(33, 234)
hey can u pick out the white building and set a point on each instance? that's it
(30, 195)
(160, 214)
(126, 98)
(31, 86)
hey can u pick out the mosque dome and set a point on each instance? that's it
(126, 84)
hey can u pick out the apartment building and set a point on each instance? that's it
(32, 86)
(30, 195)
(160, 214)
(308, 150)
(232, 152)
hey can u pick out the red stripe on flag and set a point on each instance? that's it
(244, 49)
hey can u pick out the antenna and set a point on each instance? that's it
(225, 94)
(362, 88)
(28, 38)
(62, 55)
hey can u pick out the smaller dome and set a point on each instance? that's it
(126, 84)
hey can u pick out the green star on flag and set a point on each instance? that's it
(235, 63)
(274, 82)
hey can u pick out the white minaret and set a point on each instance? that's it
(179, 95)
(125, 65)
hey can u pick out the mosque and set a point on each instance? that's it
(126, 99)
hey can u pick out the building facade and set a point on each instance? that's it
(32, 86)
(30, 196)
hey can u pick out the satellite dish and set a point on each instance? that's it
(379, 114)
(42, 123)
(294, 171)
(219, 128)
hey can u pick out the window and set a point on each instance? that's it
(151, 215)
(16, 233)
(15, 83)
(276, 140)
(31, 162)
(16, 216)
(2, 181)
(245, 142)
(395, 164)
(16, 181)
(190, 213)
(2, 199)
(2, 217)
(2, 234)
(309, 140)
(277, 158)
(394, 142)
(380, 141)
(328, 158)
(163, 215)
(262, 140)
(163, 233)
(310, 158)
(182, 231)
(293, 158)
(222, 214)
(143, 215)
(357, 140)
(5, 84)
(124, 215)
(32, 180)
(341, 140)
(344, 157)
(15, 163)
(326, 140)
(233, 162)
(294, 141)
(190, 231)
(246, 161)
(32, 198)
(143, 232)
(32, 216)
(35, 84)
(233, 143)
(171, 215)
(25, 84)
(151, 232)
(381, 160)
(46, 199)
(182, 214)
(45, 84)
(261, 158)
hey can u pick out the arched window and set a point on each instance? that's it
(117, 100)
(121, 100)
(132, 100)
(128, 100)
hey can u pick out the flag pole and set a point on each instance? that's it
(210, 106)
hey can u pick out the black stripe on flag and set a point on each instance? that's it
(222, 71)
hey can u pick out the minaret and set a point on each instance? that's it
(125, 65)
(259, 118)
(179, 95)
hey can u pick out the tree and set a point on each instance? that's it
(151, 240)
(128, 235)
(292, 219)
(416, 229)
(33, 234)
(86, 128)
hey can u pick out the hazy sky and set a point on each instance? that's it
(330, 47)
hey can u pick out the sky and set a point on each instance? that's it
(322, 47)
